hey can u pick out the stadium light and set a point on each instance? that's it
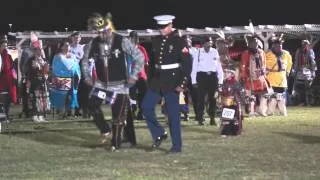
(227, 28)
(308, 26)
(261, 26)
(270, 26)
(209, 29)
(190, 29)
(287, 26)
(149, 31)
(10, 26)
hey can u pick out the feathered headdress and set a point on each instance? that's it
(35, 42)
(108, 19)
(97, 22)
(277, 38)
(252, 35)
(222, 39)
(305, 42)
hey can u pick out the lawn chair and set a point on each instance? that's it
(3, 117)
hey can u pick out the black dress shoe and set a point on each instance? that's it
(159, 140)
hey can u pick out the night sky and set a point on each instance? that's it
(46, 15)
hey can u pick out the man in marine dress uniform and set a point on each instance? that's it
(173, 67)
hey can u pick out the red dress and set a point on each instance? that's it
(8, 76)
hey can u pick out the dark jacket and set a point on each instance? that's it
(167, 50)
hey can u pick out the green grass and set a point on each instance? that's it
(270, 148)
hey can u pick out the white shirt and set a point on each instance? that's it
(77, 51)
(205, 62)
(194, 52)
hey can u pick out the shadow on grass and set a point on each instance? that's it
(70, 137)
(41, 129)
(148, 148)
(65, 137)
(309, 139)
(199, 129)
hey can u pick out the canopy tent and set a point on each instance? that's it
(265, 32)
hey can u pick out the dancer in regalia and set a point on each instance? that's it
(231, 95)
(37, 85)
(278, 64)
(253, 66)
(108, 50)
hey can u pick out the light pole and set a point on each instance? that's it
(10, 26)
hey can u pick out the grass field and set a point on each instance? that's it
(270, 148)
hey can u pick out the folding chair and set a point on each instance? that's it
(3, 117)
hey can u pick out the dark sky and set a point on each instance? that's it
(50, 15)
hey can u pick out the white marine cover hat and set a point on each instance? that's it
(164, 19)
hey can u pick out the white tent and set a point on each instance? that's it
(265, 32)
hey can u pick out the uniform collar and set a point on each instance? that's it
(172, 33)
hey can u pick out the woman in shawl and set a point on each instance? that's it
(65, 79)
